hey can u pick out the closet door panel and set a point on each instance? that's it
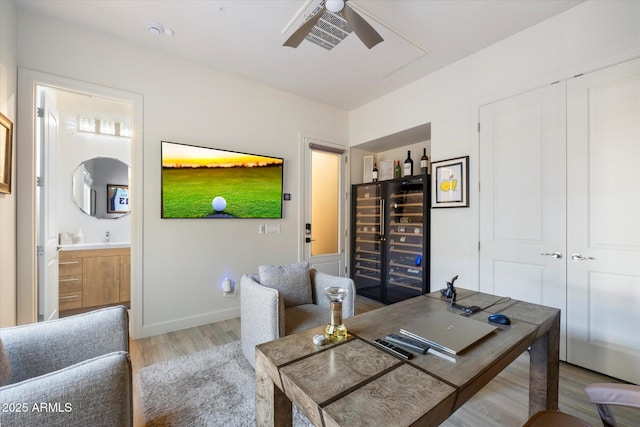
(522, 198)
(603, 194)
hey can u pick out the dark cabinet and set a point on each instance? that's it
(390, 238)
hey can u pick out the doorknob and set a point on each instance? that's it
(554, 255)
(578, 257)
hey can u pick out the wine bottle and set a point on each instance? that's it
(407, 170)
(398, 173)
(375, 173)
(424, 162)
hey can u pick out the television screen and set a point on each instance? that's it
(200, 182)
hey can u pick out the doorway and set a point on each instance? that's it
(324, 207)
(31, 180)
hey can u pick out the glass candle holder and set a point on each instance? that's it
(335, 330)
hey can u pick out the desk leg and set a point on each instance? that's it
(544, 370)
(273, 407)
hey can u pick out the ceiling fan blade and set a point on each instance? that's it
(363, 30)
(298, 35)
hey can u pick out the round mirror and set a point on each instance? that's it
(101, 187)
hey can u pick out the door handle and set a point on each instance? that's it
(578, 257)
(554, 255)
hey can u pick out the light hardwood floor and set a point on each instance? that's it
(503, 402)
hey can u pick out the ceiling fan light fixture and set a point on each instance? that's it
(334, 6)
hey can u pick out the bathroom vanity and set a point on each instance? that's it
(93, 276)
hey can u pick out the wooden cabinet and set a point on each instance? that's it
(93, 278)
(125, 278)
(100, 276)
(69, 281)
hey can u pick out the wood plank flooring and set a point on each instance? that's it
(503, 402)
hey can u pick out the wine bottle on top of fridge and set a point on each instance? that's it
(375, 173)
(398, 172)
(407, 170)
(424, 162)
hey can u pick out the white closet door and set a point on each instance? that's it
(603, 202)
(522, 198)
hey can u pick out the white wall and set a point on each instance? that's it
(588, 36)
(185, 260)
(8, 85)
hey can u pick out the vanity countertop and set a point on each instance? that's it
(85, 246)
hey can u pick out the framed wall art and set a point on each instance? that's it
(386, 170)
(367, 168)
(117, 198)
(6, 138)
(450, 183)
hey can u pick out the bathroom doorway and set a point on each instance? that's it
(98, 150)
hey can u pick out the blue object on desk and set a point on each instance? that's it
(500, 319)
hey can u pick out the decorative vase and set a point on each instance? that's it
(335, 330)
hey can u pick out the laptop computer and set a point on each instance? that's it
(447, 331)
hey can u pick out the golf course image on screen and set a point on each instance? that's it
(201, 182)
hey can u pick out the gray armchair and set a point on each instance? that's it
(73, 371)
(264, 317)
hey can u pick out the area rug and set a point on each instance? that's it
(215, 387)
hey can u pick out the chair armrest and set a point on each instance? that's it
(40, 348)
(614, 394)
(322, 280)
(603, 395)
(261, 315)
(96, 392)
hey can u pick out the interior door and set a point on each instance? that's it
(522, 198)
(47, 128)
(603, 146)
(324, 213)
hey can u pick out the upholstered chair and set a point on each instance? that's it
(603, 395)
(73, 371)
(283, 300)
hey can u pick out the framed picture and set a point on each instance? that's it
(117, 198)
(367, 168)
(6, 138)
(385, 170)
(450, 183)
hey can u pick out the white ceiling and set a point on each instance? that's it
(244, 37)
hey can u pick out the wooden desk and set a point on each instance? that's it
(356, 383)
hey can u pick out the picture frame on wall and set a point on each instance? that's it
(6, 140)
(450, 183)
(367, 168)
(117, 198)
(386, 170)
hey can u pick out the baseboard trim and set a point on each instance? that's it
(189, 322)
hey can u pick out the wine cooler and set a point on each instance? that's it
(390, 238)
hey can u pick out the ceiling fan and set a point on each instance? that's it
(363, 30)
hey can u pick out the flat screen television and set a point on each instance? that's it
(202, 182)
